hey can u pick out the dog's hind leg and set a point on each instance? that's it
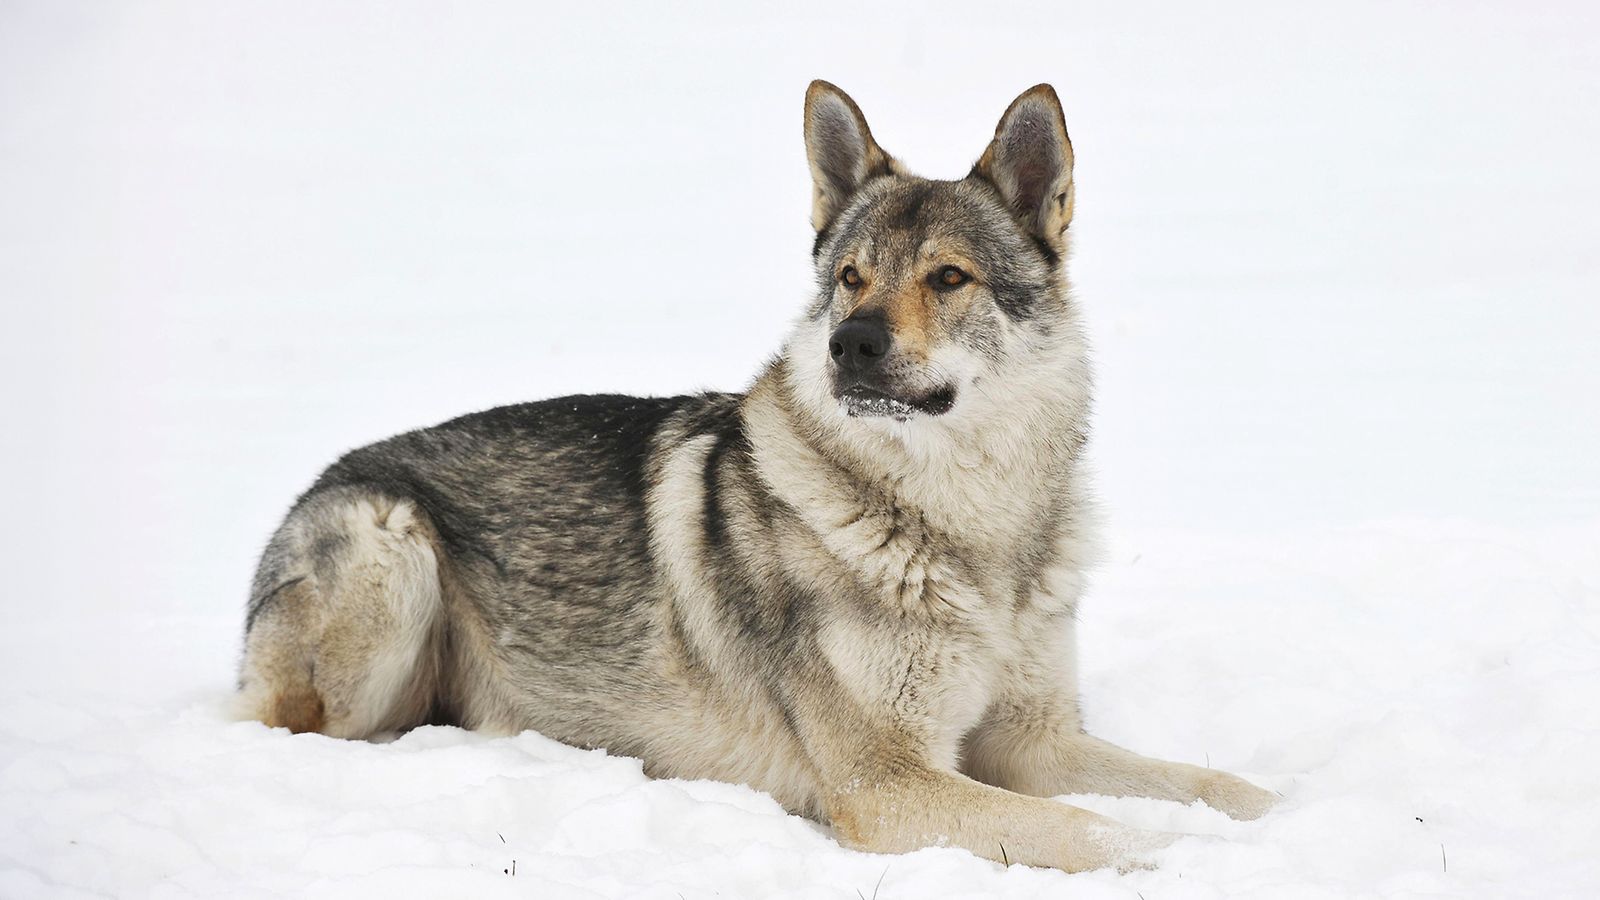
(344, 624)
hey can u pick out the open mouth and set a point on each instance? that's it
(864, 402)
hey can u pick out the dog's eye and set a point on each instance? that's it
(850, 277)
(950, 277)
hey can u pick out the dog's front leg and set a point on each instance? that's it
(1026, 755)
(895, 809)
(883, 793)
(1031, 739)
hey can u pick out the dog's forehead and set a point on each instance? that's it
(936, 208)
(901, 218)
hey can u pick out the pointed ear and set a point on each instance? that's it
(841, 151)
(1030, 163)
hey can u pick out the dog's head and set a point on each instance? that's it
(933, 297)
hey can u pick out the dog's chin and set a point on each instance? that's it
(862, 402)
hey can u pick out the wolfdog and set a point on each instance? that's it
(852, 586)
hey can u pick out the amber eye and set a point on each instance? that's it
(850, 277)
(950, 276)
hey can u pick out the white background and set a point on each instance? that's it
(1339, 262)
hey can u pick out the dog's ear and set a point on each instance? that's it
(841, 151)
(1030, 163)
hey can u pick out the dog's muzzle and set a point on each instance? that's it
(859, 349)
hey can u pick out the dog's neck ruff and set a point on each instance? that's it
(981, 482)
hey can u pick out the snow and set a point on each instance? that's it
(1338, 261)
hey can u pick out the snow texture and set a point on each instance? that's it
(1339, 263)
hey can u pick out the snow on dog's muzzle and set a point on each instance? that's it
(863, 401)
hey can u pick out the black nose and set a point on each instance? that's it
(859, 344)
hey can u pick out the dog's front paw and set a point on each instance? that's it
(1234, 796)
(1112, 845)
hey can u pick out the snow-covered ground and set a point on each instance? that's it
(1341, 266)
